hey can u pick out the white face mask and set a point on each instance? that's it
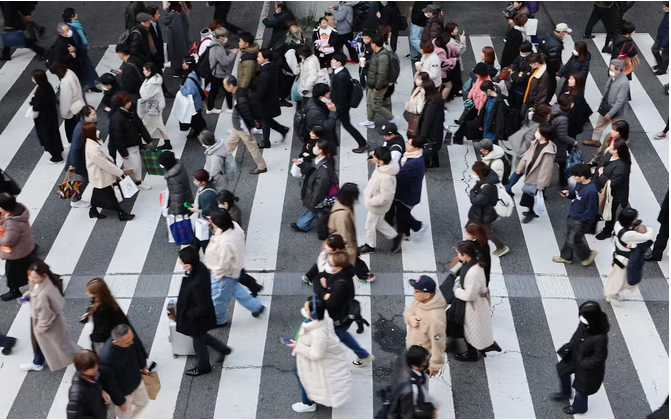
(475, 177)
(304, 313)
(328, 269)
(583, 320)
(574, 52)
(612, 73)
(418, 83)
(105, 88)
(334, 66)
(427, 15)
(315, 151)
(68, 34)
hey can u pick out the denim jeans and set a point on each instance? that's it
(227, 288)
(512, 180)
(304, 397)
(349, 341)
(306, 218)
(580, 401)
(415, 39)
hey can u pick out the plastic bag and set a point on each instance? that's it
(539, 203)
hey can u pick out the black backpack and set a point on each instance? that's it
(301, 126)
(204, 69)
(360, 15)
(507, 168)
(357, 94)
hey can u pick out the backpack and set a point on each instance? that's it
(123, 39)
(360, 15)
(507, 168)
(387, 397)
(204, 70)
(394, 67)
(505, 205)
(301, 126)
(357, 94)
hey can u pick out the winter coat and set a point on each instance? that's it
(49, 326)
(663, 32)
(587, 359)
(221, 61)
(102, 170)
(519, 83)
(573, 66)
(511, 49)
(16, 234)
(344, 16)
(151, 96)
(626, 268)
(623, 45)
(433, 28)
(430, 333)
(243, 105)
(496, 123)
(618, 173)
(494, 160)
(617, 94)
(341, 288)
(70, 92)
(551, 47)
(278, 25)
(403, 407)
(391, 15)
(195, 310)
(178, 36)
(537, 89)
(540, 174)
(309, 71)
(321, 363)
(77, 156)
(316, 113)
(248, 67)
(61, 54)
(120, 369)
(215, 164)
(522, 139)
(578, 115)
(206, 199)
(225, 254)
(131, 75)
(341, 90)
(378, 70)
(562, 140)
(416, 103)
(431, 120)
(138, 41)
(104, 319)
(179, 189)
(46, 123)
(484, 196)
(133, 8)
(85, 400)
(449, 56)
(191, 87)
(409, 179)
(379, 193)
(12, 11)
(431, 64)
(317, 181)
(614, 18)
(478, 330)
(265, 97)
(127, 130)
(341, 222)
(157, 36)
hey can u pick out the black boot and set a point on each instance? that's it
(470, 355)
(95, 214)
(166, 145)
(493, 347)
(123, 215)
(11, 295)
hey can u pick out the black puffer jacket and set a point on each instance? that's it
(431, 120)
(244, 107)
(559, 121)
(316, 113)
(85, 399)
(625, 45)
(551, 47)
(179, 189)
(433, 28)
(484, 196)
(317, 182)
(138, 41)
(127, 130)
(618, 173)
(615, 15)
(341, 288)
(266, 96)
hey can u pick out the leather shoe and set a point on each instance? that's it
(361, 149)
(570, 411)
(264, 146)
(222, 355)
(603, 235)
(197, 372)
(465, 357)
(258, 313)
(11, 295)
(256, 171)
(588, 36)
(591, 143)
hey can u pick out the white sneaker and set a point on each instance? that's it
(446, 127)
(299, 407)
(51, 162)
(229, 111)
(27, 367)
(81, 204)
(369, 124)
(660, 135)
(213, 111)
(144, 187)
(363, 362)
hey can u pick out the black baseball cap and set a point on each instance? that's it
(387, 129)
(424, 284)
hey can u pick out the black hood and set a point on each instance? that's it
(596, 318)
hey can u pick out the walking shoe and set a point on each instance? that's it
(653, 256)
(284, 135)
(589, 259)
(285, 103)
(466, 357)
(295, 227)
(258, 313)
(570, 411)
(603, 235)
(7, 350)
(197, 372)
(660, 72)
(144, 187)
(366, 249)
(306, 280)
(397, 242)
(299, 407)
(367, 124)
(587, 36)
(213, 111)
(592, 143)
(369, 278)
(81, 204)
(558, 396)
(660, 135)
(166, 145)
(55, 162)
(529, 217)
(222, 355)
(256, 171)
(27, 367)
(364, 362)
(95, 214)
(422, 230)
(361, 149)
(264, 145)
(125, 215)
(256, 292)
(11, 295)
(501, 252)
(561, 260)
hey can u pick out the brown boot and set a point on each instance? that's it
(591, 143)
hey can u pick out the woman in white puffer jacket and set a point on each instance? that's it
(430, 63)
(151, 103)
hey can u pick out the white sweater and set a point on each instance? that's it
(431, 64)
(225, 255)
(71, 92)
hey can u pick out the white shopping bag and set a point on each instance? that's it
(128, 187)
(296, 171)
(163, 197)
(170, 219)
(202, 230)
(531, 27)
(539, 203)
(183, 108)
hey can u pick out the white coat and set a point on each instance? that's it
(431, 65)
(381, 188)
(494, 160)
(478, 330)
(70, 92)
(225, 254)
(322, 364)
(102, 170)
(151, 95)
(309, 73)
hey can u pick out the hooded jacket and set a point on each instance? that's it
(379, 193)
(430, 333)
(151, 96)
(225, 254)
(494, 160)
(221, 61)
(559, 122)
(484, 196)
(248, 67)
(85, 400)
(540, 174)
(215, 164)
(17, 234)
(433, 28)
(344, 16)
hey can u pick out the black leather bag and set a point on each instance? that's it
(604, 108)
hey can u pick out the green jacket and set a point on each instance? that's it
(248, 68)
(378, 70)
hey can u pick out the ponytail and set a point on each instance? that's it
(42, 269)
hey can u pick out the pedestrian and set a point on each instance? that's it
(155, 42)
(324, 38)
(614, 166)
(584, 356)
(598, 14)
(417, 23)
(126, 135)
(582, 214)
(221, 10)
(458, 41)
(520, 73)
(224, 257)
(17, 246)
(614, 21)
(70, 99)
(415, 105)
(493, 155)
(17, 17)
(319, 184)
(536, 92)
(560, 124)
(492, 118)
(434, 23)
(660, 48)
(618, 130)
(266, 98)
(132, 10)
(365, 55)
(344, 18)
(430, 124)
(379, 197)
(131, 72)
(577, 64)
(44, 103)
(77, 156)
(122, 363)
(103, 174)
(248, 66)
(290, 71)
(89, 76)
(430, 63)
(191, 86)
(178, 37)
(151, 104)
(478, 97)
(195, 311)
(334, 242)
(449, 60)
(410, 385)
(221, 65)
(580, 112)
(657, 251)
(86, 398)
(484, 196)
(488, 58)
(341, 95)
(110, 89)
(477, 233)
(514, 39)
(391, 17)
(279, 22)
(426, 318)
(206, 196)
(215, 159)
(551, 46)
(537, 166)
(321, 365)
(378, 84)
(179, 184)
(309, 72)
(321, 111)
(7, 343)
(624, 48)
(64, 50)
(48, 329)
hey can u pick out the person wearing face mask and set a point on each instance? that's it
(65, 50)
(151, 104)
(179, 188)
(89, 76)
(434, 23)
(426, 318)
(459, 41)
(321, 366)
(221, 65)
(585, 357)
(614, 167)
(322, 111)
(514, 39)
(612, 106)
(215, 158)
(624, 47)
(537, 165)
(324, 38)
(410, 384)
(206, 196)
(77, 158)
(44, 102)
(266, 99)
(70, 99)
(17, 246)
(551, 46)
(577, 64)
(536, 92)
(191, 86)
(417, 100)
(520, 72)
(281, 16)
(492, 117)
(130, 70)
(110, 89)
(341, 92)
(86, 398)
(483, 197)
(560, 123)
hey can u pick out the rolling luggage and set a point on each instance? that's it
(182, 345)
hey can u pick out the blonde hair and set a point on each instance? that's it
(295, 28)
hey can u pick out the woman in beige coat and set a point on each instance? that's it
(537, 165)
(51, 341)
(472, 289)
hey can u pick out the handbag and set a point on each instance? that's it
(69, 188)
(606, 202)
(77, 106)
(296, 171)
(31, 113)
(150, 160)
(13, 39)
(565, 351)
(180, 229)
(331, 195)
(152, 109)
(604, 107)
(295, 93)
(231, 168)
(413, 125)
(117, 192)
(128, 187)
(152, 383)
(530, 189)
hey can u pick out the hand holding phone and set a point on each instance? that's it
(23, 299)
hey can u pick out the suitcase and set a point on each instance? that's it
(182, 345)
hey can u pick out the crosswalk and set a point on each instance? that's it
(534, 300)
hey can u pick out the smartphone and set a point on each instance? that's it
(324, 100)
(24, 300)
(115, 71)
(188, 206)
(286, 341)
(152, 366)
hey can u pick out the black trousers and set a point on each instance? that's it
(216, 84)
(552, 83)
(661, 240)
(198, 123)
(249, 282)
(563, 182)
(661, 55)
(269, 123)
(598, 14)
(343, 40)
(404, 220)
(159, 70)
(347, 125)
(70, 128)
(575, 243)
(200, 344)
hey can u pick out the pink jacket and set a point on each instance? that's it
(448, 59)
(479, 97)
(16, 237)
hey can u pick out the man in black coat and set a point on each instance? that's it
(551, 47)
(195, 311)
(341, 94)
(138, 39)
(65, 50)
(130, 71)
(11, 12)
(657, 251)
(410, 383)
(266, 98)
(133, 8)
(282, 15)
(320, 110)
(156, 39)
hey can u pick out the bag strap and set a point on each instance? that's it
(67, 175)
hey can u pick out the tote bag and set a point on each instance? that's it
(180, 229)
(183, 108)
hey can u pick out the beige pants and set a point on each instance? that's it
(134, 162)
(375, 222)
(234, 139)
(135, 403)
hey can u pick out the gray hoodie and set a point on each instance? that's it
(215, 164)
(221, 61)
(344, 16)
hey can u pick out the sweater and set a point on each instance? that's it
(585, 204)
(120, 369)
(225, 254)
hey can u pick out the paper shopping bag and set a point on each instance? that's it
(128, 187)
(183, 108)
(202, 230)
(152, 383)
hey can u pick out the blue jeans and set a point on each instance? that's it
(580, 401)
(304, 397)
(512, 180)
(415, 39)
(227, 288)
(306, 218)
(349, 341)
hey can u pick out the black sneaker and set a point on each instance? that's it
(259, 312)
(603, 235)
(197, 372)
(11, 295)
(366, 249)
(7, 350)
(284, 135)
(588, 36)
(397, 242)
(222, 355)
(285, 103)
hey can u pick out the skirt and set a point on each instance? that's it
(105, 198)
(154, 125)
(17, 271)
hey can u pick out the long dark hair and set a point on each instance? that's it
(468, 248)
(478, 232)
(40, 77)
(583, 53)
(42, 269)
(579, 84)
(68, 14)
(101, 293)
(348, 195)
(622, 151)
(622, 127)
(430, 89)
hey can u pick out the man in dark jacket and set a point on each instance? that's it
(155, 40)
(86, 399)
(614, 21)
(484, 196)
(65, 50)
(584, 210)
(122, 363)
(341, 95)
(195, 311)
(76, 157)
(321, 110)
(139, 39)
(266, 98)
(11, 12)
(417, 23)
(657, 251)
(519, 76)
(660, 49)
(282, 15)
(130, 71)
(410, 383)
(434, 23)
(551, 46)
(319, 174)
(126, 130)
(133, 8)
(378, 83)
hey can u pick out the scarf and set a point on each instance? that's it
(526, 93)
(479, 97)
(411, 155)
(74, 24)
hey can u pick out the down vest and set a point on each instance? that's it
(179, 189)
